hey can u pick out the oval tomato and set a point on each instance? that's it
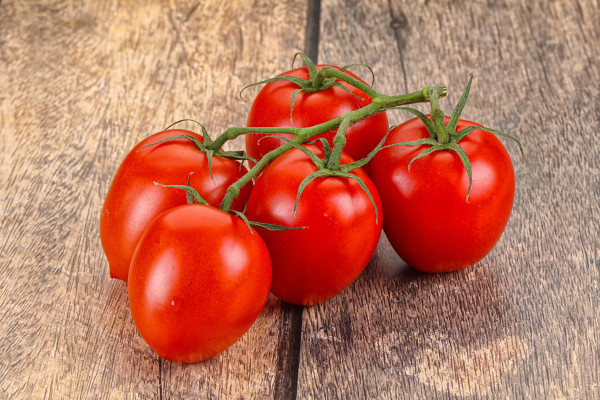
(198, 280)
(271, 108)
(133, 200)
(427, 218)
(341, 233)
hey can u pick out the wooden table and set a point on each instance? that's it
(82, 82)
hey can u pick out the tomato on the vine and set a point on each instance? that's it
(133, 200)
(271, 108)
(428, 219)
(198, 280)
(341, 227)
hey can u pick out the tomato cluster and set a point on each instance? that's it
(201, 241)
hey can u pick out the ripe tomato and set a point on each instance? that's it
(198, 280)
(314, 264)
(133, 200)
(428, 220)
(271, 108)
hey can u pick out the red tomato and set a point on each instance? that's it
(133, 200)
(314, 264)
(198, 280)
(271, 108)
(427, 218)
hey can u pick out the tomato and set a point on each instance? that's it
(271, 108)
(428, 220)
(341, 231)
(133, 200)
(198, 280)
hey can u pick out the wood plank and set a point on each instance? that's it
(81, 83)
(524, 322)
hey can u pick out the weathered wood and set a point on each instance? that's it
(79, 85)
(524, 322)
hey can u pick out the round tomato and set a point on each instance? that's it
(340, 232)
(133, 200)
(428, 220)
(198, 280)
(271, 108)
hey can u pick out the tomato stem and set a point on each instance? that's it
(437, 115)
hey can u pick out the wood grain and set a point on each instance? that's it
(82, 82)
(524, 322)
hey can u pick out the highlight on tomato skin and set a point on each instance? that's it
(341, 228)
(428, 220)
(133, 200)
(199, 278)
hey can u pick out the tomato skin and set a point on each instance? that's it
(133, 200)
(314, 264)
(198, 280)
(271, 108)
(428, 221)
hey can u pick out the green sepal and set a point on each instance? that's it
(426, 152)
(326, 149)
(185, 120)
(209, 155)
(426, 121)
(451, 127)
(196, 142)
(292, 101)
(342, 86)
(238, 155)
(458, 136)
(418, 142)
(270, 227)
(189, 190)
(188, 195)
(293, 79)
(243, 218)
(316, 160)
(206, 137)
(241, 154)
(312, 68)
(275, 227)
(359, 163)
(321, 173)
(466, 163)
(346, 67)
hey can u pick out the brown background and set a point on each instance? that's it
(82, 82)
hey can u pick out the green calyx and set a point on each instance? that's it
(444, 136)
(270, 227)
(317, 81)
(339, 170)
(206, 146)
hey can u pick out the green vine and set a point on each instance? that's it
(319, 79)
(380, 103)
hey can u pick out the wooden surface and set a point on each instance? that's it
(82, 82)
